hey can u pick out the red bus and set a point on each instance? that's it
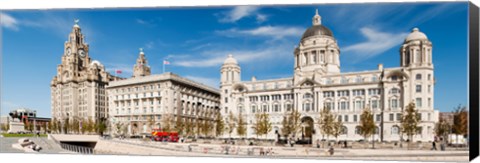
(159, 135)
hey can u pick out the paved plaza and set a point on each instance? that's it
(142, 147)
(219, 150)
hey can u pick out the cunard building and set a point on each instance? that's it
(318, 83)
(147, 101)
(78, 90)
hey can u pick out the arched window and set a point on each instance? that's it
(418, 56)
(344, 130)
(306, 106)
(394, 91)
(418, 76)
(374, 78)
(358, 130)
(395, 130)
(307, 95)
(240, 108)
(254, 108)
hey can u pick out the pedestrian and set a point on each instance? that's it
(261, 151)
(345, 144)
(318, 143)
(331, 150)
(434, 146)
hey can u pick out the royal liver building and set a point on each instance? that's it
(78, 89)
(317, 83)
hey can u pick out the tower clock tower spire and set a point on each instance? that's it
(141, 68)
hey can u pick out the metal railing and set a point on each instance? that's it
(74, 148)
(77, 149)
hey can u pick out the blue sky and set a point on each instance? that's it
(196, 41)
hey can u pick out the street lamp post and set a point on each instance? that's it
(35, 121)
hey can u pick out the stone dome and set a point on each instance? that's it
(317, 30)
(416, 35)
(230, 60)
(95, 62)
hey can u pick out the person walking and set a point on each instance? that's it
(434, 145)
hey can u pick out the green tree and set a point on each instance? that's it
(189, 128)
(206, 127)
(294, 122)
(231, 123)
(241, 129)
(337, 129)
(50, 127)
(219, 126)
(167, 123)
(326, 122)
(410, 120)
(262, 124)
(198, 126)
(75, 126)
(90, 126)
(151, 122)
(367, 125)
(285, 130)
(179, 125)
(44, 127)
(442, 128)
(100, 126)
(59, 126)
(84, 126)
(460, 121)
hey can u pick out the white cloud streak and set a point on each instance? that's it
(8, 22)
(240, 12)
(377, 42)
(216, 58)
(276, 32)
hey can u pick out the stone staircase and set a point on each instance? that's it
(48, 146)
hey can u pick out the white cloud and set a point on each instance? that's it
(140, 21)
(377, 42)
(216, 58)
(240, 12)
(212, 82)
(261, 18)
(276, 32)
(8, 22)
(149, 45)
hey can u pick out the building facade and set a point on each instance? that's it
(318, 83)
(78, 90)
(145, 102)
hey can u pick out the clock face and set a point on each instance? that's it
(69, 51)
(82, 53)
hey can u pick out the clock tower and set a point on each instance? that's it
(78, 89)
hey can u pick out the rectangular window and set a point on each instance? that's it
(340, 118)
(288, 106)
(429, 102)
(418, 88)
(374, 104)
(394, 103)
(354, 118)
(379, 117)
(391, 117)
(399, 117)
(346, 118)
(429, 88)
(418, 102)
(226, 100)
